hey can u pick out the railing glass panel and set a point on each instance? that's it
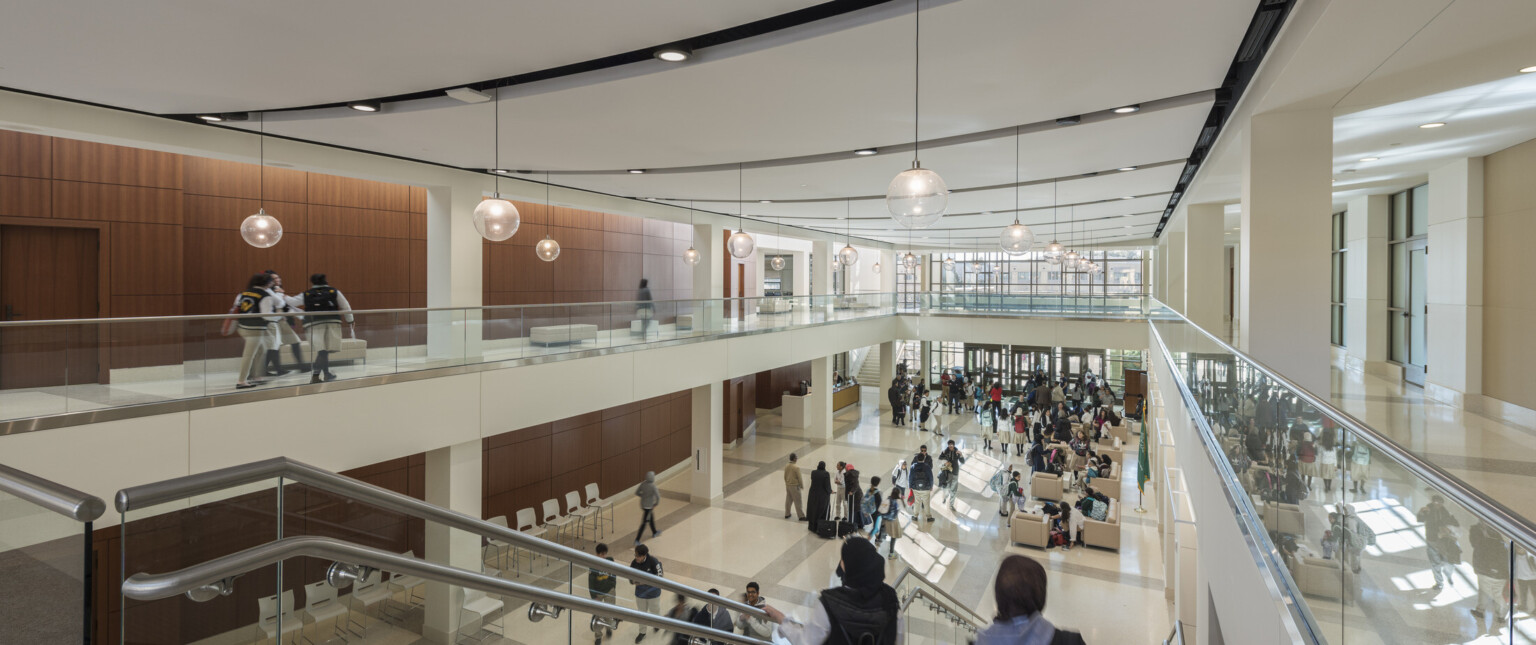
(1368, 543)
(44, 556)
(932, 615)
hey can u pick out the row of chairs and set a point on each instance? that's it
(578, 514)
(321, 605)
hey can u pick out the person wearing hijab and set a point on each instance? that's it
(816, 503)
(1020, 594)
(863, 610)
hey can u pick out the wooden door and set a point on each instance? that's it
(741, 291)
(48, 273)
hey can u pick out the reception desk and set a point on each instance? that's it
(796, 413)
(845, 396)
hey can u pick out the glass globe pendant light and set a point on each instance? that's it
(909, 261)
(1017, 239)
(875, 268)
(261, 230)
(740, 244)
(949, 258)
(692, 256)
(497, 219)
(547, 249)
(917, 197)
(848, 255)
(776, 262)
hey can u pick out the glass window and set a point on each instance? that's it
(1418, 211)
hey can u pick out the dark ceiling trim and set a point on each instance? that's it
(790, 20)
(1267, 20)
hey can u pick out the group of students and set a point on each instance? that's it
(910, 404)
(267, 332)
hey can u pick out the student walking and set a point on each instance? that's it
(260, 334)
(327, 309)
(285, 333)
(921, 478)
(649, 498)
(647, 597)
(793, 481)
(602, 586)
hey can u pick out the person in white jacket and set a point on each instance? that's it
(899, 480)
(753, 626)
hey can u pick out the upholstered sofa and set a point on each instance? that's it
(775, 305)
(1110, 485)
(1030, 529)
(352, 349)
(563, 334)
(1319, 577)
(1045, 486)
(1285, 518)
(1105, 534)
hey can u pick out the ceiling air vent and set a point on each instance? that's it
(1259, 33)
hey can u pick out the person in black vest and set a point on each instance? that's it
(259, 333)
(898, 402)
(863, 610)
(327, 309)
(921, 479)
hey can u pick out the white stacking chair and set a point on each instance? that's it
(269, 609)
(553, 519)
(408, 584)
(366, 592)
(321, 604)
(500, 546)
(475, 608)
(594, 500)
(527, 524)
(579, 514)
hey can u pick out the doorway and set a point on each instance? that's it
(48, 273)
(1410, 313)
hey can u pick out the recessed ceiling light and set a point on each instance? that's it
(501, 171)
(467, 95)
(636, 171)
(1436, 124)
(1369, 159)
(366, 106)
(865, 152)
(211, 118)
(1528, 70)
(1128, 109)
(765, 201)
(1127, 197)
(1127, 168)
(673, 54)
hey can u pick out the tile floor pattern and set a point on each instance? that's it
(1112, 597)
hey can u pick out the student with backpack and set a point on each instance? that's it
(327, 309)
(921, 478)
(863, 609)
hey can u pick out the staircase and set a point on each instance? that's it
(869, 372)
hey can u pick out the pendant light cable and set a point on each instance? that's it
(496, 138)
(917, 76)
(261, 138)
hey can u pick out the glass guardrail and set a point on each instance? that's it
(1370, 543)
(50, 368)
(46, 551)
(931, 615)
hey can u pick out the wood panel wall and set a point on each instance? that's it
(613, 448)
(772, 384)
(179, 539)
(170, 235)
(738, 407)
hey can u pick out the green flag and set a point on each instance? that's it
(1143, 463)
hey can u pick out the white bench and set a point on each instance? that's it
(775, 306)
(685, 321)
(552, 334)
(352, 349)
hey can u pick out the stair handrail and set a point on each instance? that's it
(179, 488)
(51, 495)
(147, 586)
(950, 604)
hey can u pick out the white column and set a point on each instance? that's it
(819, 403)
(708, 440)
(1175, 265)
(1455, 290)
(802, 265)
(453, 482)
(1287, 206)
(708, 276)
(887, 372)
(1158, 278)
(887, 271)
(821, 276)
(1204, 261)
(453, 270)
(1365, 282)
(923, 368)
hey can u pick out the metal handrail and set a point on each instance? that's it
(147, 495)
(53, 496)
(1501, 517)
(416, 310)
(1175, 635)
(950, 602)
(145, 586)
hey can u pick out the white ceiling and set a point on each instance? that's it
(1450, 61)
(823, 88)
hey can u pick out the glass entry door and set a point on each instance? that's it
(1410, 310)
(1025, 360)
(985, 361)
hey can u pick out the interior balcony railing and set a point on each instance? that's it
(267, 510)
(57, 372)
(932, 615)
(46, 558)
(1361, 540)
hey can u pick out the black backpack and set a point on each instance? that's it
(321, 299)
(921, 476)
